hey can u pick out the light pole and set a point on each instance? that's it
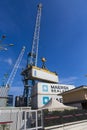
(4, 46)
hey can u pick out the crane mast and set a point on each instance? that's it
(15, 68)
(32, 57)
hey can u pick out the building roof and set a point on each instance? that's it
(74, 89)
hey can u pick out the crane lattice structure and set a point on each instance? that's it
(15, 68)
(32, 57)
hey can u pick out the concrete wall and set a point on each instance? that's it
(75, 96)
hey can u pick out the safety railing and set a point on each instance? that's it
(21, 119)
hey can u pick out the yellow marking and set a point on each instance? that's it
(44, 70)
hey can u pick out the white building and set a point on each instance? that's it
(3, 96)
(43, 92)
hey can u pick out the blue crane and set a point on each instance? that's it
(32, 57)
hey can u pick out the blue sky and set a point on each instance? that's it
(63, 38)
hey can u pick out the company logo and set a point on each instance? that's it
(58, 89)
(45, 100)
(45, 88)
(35, 73)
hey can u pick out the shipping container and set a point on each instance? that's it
(44, 75)
(43, 92)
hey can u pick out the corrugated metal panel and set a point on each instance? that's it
(43, 92)
(44, 75)
(50, 88)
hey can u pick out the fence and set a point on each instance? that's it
(21, 119)
(27, 119)
(59, 118)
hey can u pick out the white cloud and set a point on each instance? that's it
(16, 91)
(9, 61)
(69, 80)
(17, 88)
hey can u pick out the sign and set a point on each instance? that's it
(57, 89)
(45, 100)
(48, 88)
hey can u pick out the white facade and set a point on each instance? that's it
(3, 96)
(43, 92)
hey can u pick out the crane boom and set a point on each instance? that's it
(32, 57)
(15, 68)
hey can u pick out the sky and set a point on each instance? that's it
(63, 38)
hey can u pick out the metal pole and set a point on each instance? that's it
(24, 120)
(36, 121)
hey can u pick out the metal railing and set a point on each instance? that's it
(21, 119)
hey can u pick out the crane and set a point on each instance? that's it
(32, 56)
(5, 87)
(15, 68)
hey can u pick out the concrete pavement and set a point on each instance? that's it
(80, 125)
